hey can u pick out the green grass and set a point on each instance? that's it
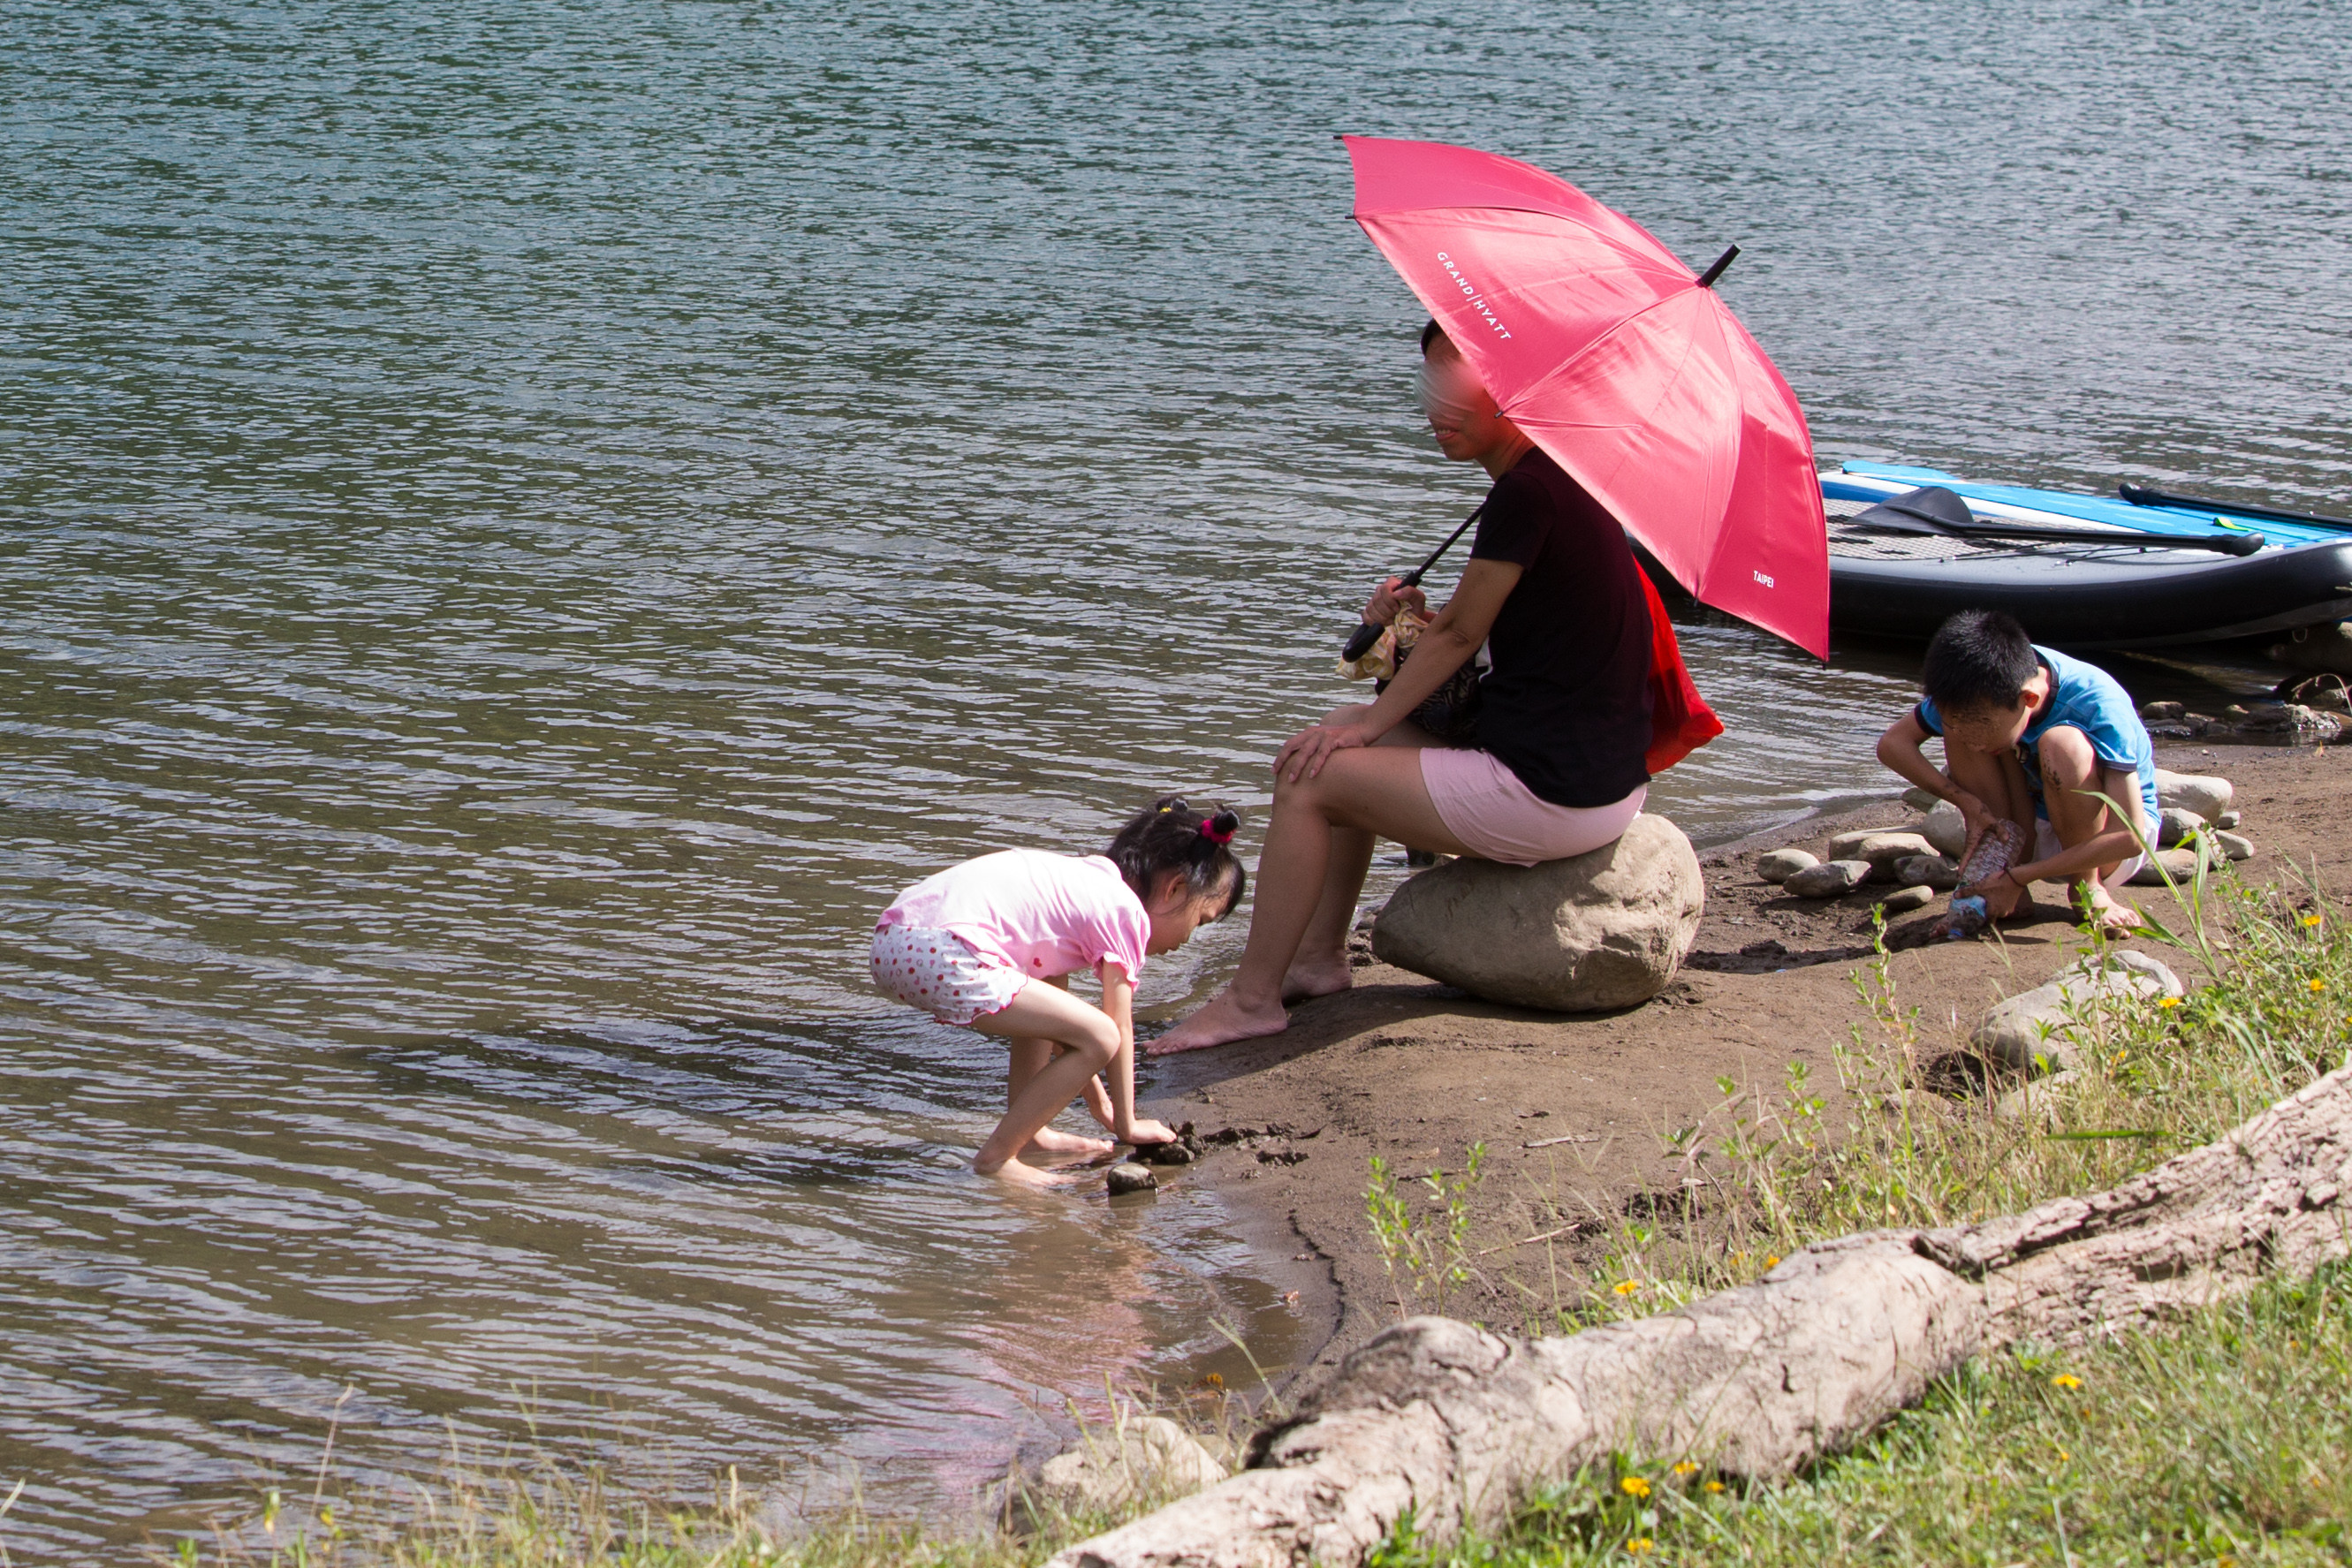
(2226, 1438)
(2230, 1440)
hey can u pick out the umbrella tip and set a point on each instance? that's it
(1707, 279)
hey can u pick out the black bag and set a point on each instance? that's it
(1449, 715)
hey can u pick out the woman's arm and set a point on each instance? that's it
(1118, 1001)
(1444, 647)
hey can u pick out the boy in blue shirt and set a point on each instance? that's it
(2037, 737)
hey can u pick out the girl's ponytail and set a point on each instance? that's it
(1170, 836)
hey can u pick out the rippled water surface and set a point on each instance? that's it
(522, 526)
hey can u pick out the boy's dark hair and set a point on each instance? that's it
(1431, 333)
(1979, 659)
(1169, 835)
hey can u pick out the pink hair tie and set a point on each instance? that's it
(1215, 834)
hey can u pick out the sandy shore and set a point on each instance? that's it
(1574, 1111)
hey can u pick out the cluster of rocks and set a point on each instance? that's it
(2305, 722)
(1922, 860)
(1272, 1144)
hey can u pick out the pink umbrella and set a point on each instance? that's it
(1619, 361)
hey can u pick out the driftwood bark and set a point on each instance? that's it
(1459, 1425)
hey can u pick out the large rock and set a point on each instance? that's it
(1606, 929)
(2049, 1024)
(1829, 880)
(1142, 1459)
(2203, 793)
(1779, 865)
(2326, 648)
(2176, 823)
(1946, 829)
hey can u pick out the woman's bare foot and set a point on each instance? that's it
(1050, 1142)
(1317, 977)
(1221, 1021)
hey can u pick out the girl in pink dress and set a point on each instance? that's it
(989, 945)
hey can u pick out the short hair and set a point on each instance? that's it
(1978, 658)
(1431, 333)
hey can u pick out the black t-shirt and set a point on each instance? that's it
(1566, 706)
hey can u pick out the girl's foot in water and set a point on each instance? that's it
(1015, 1173)
(1050, 1142)
(1225, 1019)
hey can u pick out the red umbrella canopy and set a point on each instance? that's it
(1603, 347)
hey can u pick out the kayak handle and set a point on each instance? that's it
(2141, 496)
(1368, 633)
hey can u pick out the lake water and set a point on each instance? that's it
(522, 526)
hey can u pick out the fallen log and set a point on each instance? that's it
(1459, 1425)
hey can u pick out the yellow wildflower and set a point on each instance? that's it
(2317, 987)
(1634, 1486)
(1714, 1486)
(1685, 1467)
(2311, 920)
(1772, 1259)
(1626, 1286)
(2167, 1003)
(2065, 1380)
(1640, 1545)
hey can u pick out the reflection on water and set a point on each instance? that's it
(521, 528)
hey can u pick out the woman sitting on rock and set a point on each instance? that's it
(1552, 588)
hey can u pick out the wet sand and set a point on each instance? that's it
(1574, 1111)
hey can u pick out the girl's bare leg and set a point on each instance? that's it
(1376, 789)
(1090, 1041)
(1030, 1055)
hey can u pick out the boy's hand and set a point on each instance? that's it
(2001, 893)
(1144, 1130)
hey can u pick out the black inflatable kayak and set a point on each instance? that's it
(1908, 546)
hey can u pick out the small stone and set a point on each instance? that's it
(1946, 829)
(2235, 845)
(1843, 847)
(2176, 823)
(1883, 849)
(1941, 873)
(2228, 820)
(1779, 865)
(1905, 900)
(2161, 710)
(1920, 799)
(2181, 863)
(1129, 1178)
(2204, 794)
(1829, 880)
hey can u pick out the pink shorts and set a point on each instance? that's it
(940, 973)
(1496, 817)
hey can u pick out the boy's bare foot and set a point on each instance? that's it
(1050, 1142)
(2112, 919)
(1221, 1022)
(1317, 977)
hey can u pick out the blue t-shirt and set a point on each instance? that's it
(2088, 699)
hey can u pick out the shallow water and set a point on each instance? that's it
(521, 529)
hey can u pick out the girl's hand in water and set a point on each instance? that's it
(1145, 1131)
(1304, 754)
(1388, 598)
